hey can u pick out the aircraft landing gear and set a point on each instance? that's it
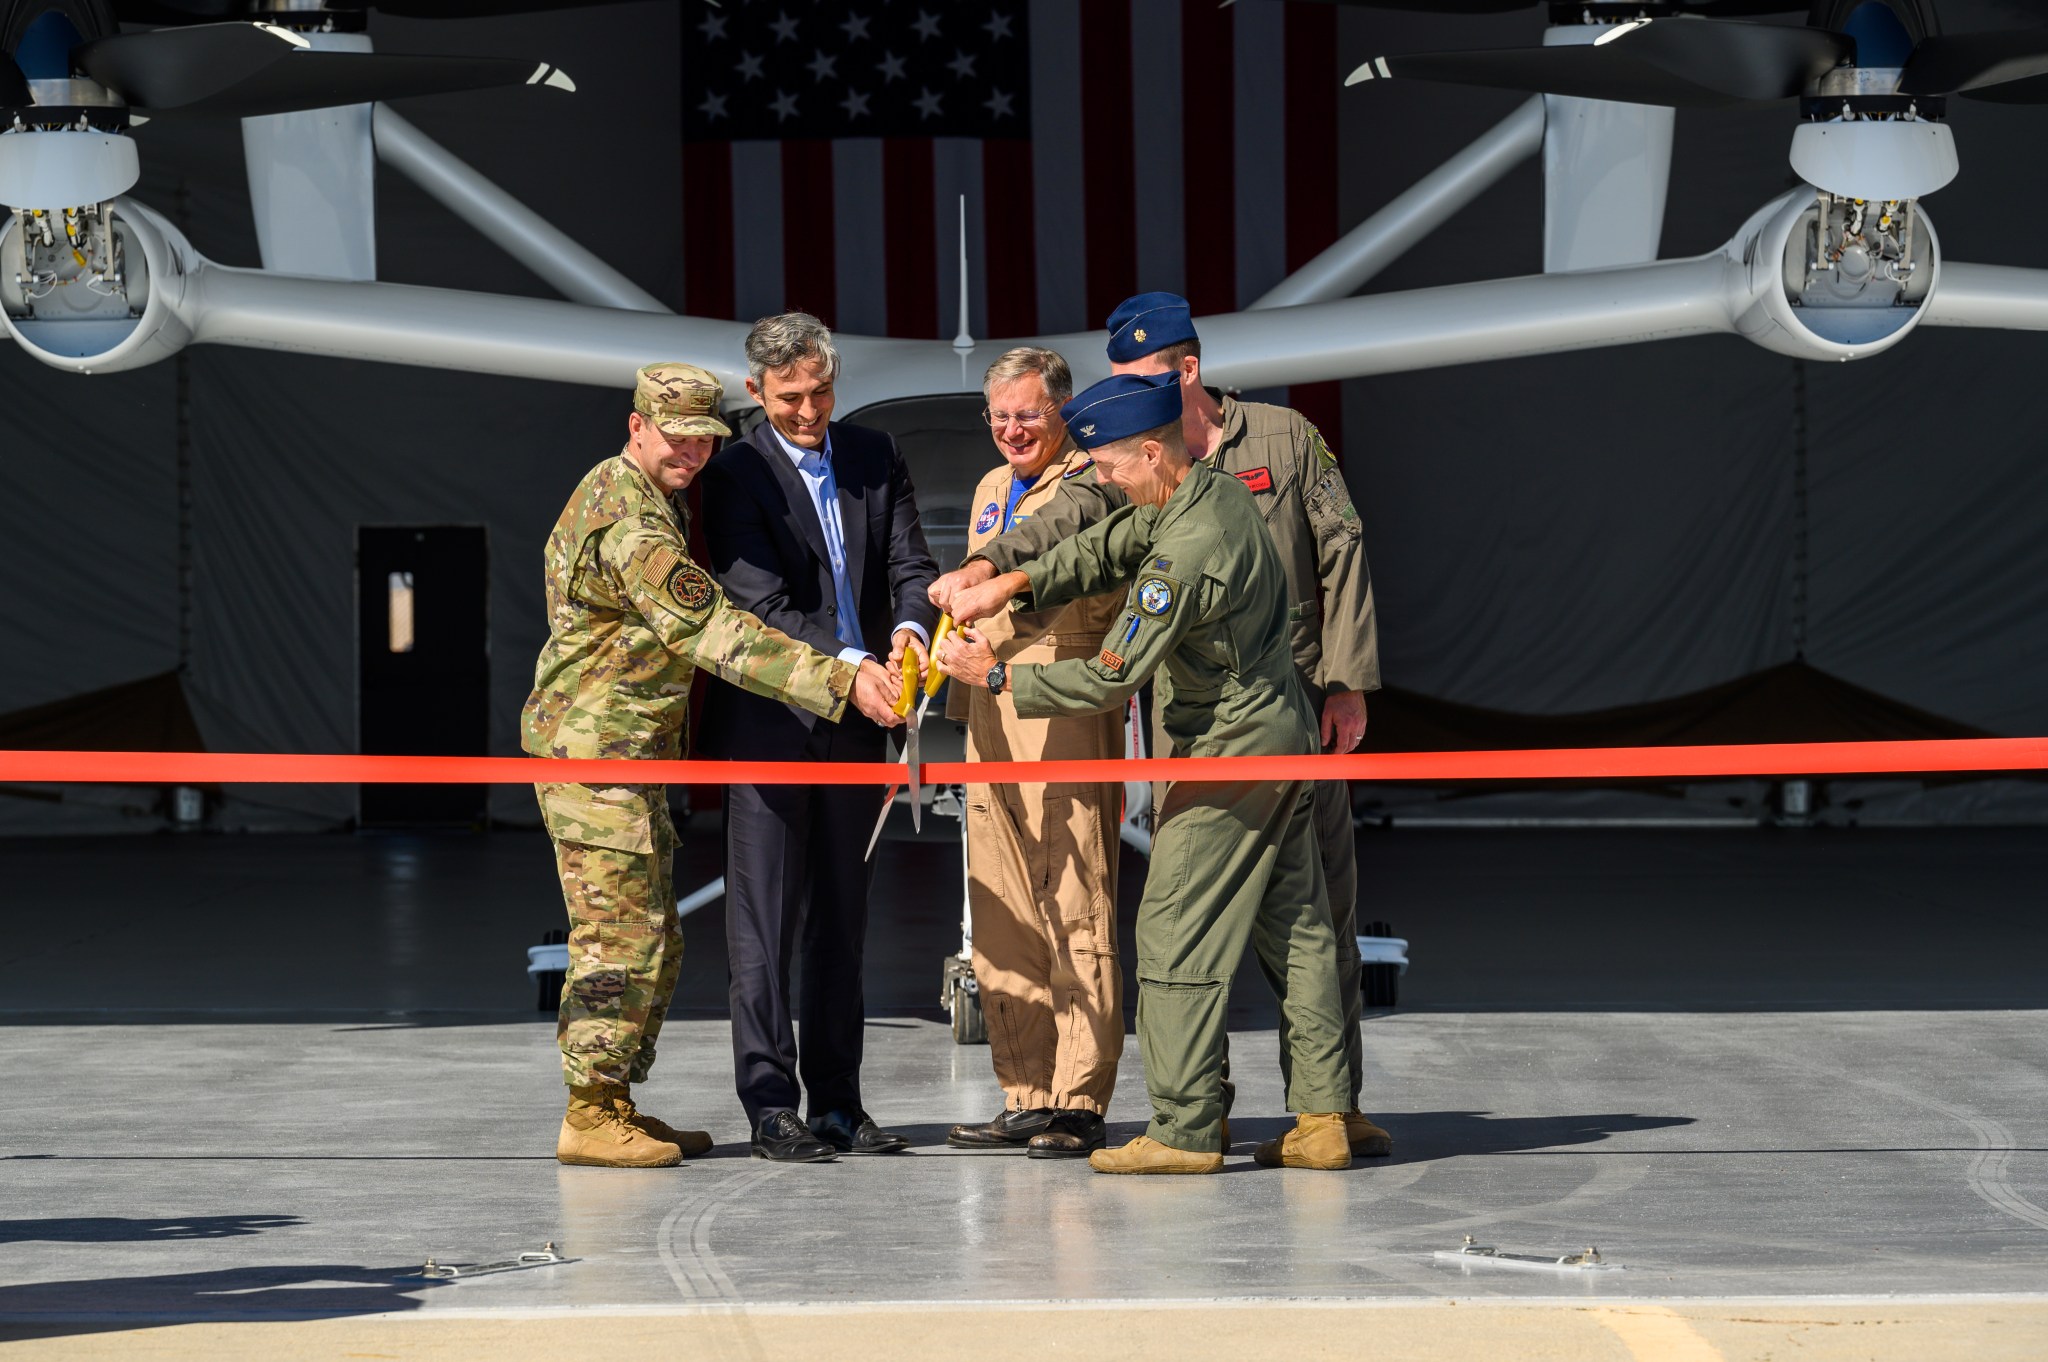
(962, 998)
(1385, 960)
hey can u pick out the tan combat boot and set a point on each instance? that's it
(1368, 1141)
(596, 1136)
(1317, 1141)
(1147, 1155)
(690, 1142)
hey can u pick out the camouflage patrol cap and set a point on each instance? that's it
(680, 399)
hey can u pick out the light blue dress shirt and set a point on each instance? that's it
(814, 466)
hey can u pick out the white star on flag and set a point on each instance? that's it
(750, 67)
(784, 106)
(855, 104)
(855, 28)
(891, 68)
(927, 26)
(713, 107)
(785, 28)
(821, 65)
(928, 105)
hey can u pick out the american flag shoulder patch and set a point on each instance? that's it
(660, 563)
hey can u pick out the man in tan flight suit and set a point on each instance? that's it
(1041, 859)
(631, 618)
(1282, 459)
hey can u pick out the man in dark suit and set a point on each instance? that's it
(812, 526)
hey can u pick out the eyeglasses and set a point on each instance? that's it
(1030, 420)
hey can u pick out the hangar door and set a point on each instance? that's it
(423, 665)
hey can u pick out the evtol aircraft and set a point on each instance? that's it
(1843, 266)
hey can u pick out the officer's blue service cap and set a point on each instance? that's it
(1148, 323)
(1122, 406)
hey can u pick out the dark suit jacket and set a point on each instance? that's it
(768, 552)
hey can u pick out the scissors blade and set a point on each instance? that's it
(880, 820)
(911, 759)
(888, 800)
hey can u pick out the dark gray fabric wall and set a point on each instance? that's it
(1547, 535)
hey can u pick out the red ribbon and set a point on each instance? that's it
(1421, 768)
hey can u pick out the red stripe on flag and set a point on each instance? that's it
(1106, 155)
(1208, 169)
(1008, 239)
(909, 237)
(707, 208)
(808, 280)
(1312, 85)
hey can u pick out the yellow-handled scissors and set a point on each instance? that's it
(933, 678)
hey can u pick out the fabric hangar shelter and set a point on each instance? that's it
(1689, 541)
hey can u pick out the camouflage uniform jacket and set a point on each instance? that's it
(1204, 608)
(1301, 494)
(631, 620)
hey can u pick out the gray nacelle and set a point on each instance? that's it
(1831, 278)
(94, 290)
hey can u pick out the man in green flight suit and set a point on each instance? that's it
(631, 619)
(1233, 861)
(1282, 459)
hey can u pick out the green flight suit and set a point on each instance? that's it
(1282, 459)
(1232, 862)
(631, 619)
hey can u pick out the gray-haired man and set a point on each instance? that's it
(812, 526)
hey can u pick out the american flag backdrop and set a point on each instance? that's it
(1102, 146)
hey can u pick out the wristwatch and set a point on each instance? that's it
(997, 673)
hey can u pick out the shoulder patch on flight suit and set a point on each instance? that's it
(1258, 479)
(1156, 595)
(1324, 458)
(1077, 470)
(986, 521)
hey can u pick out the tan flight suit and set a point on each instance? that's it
(1282, 459)
(1042, 858)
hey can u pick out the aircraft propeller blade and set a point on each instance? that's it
(248, 69)
(1677, 63)
(13, 84)
(186, 11)
(1726, 9)
(1944, 64)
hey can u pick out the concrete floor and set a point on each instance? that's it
(265, 1079)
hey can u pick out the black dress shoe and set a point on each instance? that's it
(1071, 1135)
(783, 1138)
(855, 1132)
(1011, 1130)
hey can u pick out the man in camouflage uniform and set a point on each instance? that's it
(1282, 459)
(632, 618)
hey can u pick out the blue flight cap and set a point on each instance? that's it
(1148, 323)
(1122, 406)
